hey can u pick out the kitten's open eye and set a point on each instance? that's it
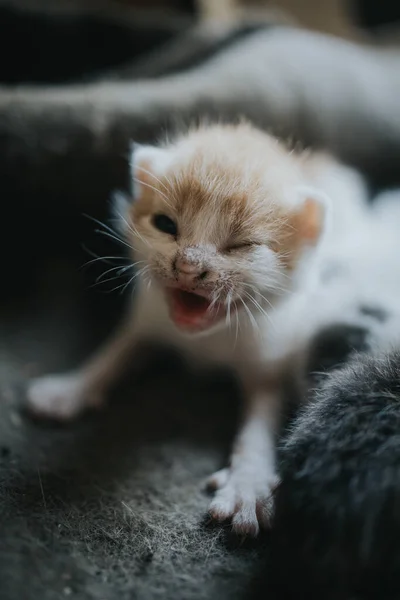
(165, 224)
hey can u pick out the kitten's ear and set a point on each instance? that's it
(312, 215)
(145, 161)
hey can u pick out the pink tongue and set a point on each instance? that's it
(187, 308)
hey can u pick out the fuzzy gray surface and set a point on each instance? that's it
(112, 506)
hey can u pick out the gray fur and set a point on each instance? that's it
(337, 523)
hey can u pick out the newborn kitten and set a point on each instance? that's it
(226, 224)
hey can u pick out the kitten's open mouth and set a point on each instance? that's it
(191, 311)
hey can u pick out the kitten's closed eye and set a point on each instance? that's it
(165, 224)
(242, 245)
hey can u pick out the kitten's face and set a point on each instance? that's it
(212, 239)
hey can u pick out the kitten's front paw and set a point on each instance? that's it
(244, 498)
(60, 397)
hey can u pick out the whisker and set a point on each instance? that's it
(110, 232)
(114, 237)
(124, 287)
(146, 275)
(97, 283)
(252, 320)
(101, 224)
(141, 273)
(267, 301)
(154, 177)
(285, 275)
(260, 308)
(97, 258)
(120, 271)
(168, 190)
(213, 302)
(276, 289)
(105, 258)
(152, 187)
(133, 229)
(128, 283)
(228, 309)
(257, 305)
(129, 226)
(258, 293)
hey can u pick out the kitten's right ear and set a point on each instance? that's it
(312, 216)
(146, 162)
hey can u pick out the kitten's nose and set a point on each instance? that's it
(189, 271)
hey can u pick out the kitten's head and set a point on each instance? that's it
(222, 221)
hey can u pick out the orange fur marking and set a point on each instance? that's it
(230, 183)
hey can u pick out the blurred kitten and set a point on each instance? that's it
(225, 223)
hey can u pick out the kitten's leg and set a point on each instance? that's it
(65, 396)
(244, 489)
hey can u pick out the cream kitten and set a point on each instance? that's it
(225, 223)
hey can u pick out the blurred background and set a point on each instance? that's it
(87, 36)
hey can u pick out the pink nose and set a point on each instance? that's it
(190, 271)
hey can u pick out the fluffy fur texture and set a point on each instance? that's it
(337, 519)
(221, 238)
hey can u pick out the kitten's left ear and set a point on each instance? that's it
(145, 161)
(312, 215)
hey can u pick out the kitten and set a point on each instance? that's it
(225, 223)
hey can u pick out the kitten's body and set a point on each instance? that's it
(229, 226)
